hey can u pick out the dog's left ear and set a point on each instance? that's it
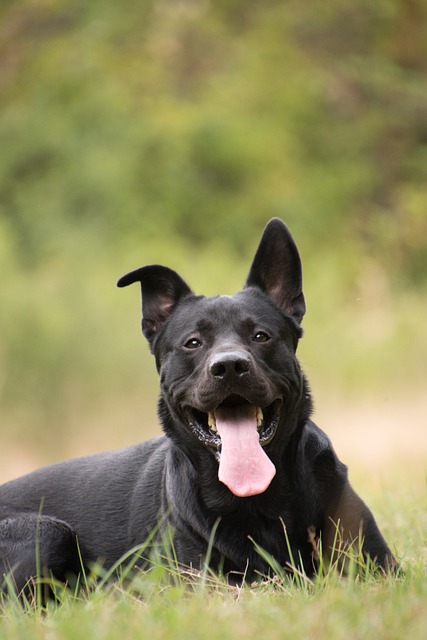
(161, 291)
(276, 270)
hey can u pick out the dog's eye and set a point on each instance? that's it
(261, 336)
(193, 343)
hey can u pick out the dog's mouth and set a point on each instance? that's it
(204, 425)
(239, 431)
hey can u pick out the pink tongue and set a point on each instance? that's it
(244, 466)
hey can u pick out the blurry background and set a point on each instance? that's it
(170, 131)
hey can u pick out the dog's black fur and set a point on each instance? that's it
(223, 355)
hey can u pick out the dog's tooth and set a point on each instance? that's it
(212, 421)
(259, 416)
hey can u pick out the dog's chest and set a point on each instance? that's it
(253, 542)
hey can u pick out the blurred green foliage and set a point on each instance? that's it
(171, 131)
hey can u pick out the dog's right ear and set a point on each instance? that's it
(276, 270)
(161, 291)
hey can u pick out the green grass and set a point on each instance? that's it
(164, 603)
(333, 608)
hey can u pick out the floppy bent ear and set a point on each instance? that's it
(161, 291)
(276, 270)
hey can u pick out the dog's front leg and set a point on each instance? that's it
(350, 527)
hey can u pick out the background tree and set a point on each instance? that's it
(170, 132)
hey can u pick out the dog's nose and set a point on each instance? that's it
(229, 364)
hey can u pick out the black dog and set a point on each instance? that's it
(240, 457)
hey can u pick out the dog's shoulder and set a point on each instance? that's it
(317, 461)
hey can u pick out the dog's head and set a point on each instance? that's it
(228, 372)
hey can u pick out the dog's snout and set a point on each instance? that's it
(229, 364)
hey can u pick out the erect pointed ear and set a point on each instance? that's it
(161, 291)
(276, 270)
